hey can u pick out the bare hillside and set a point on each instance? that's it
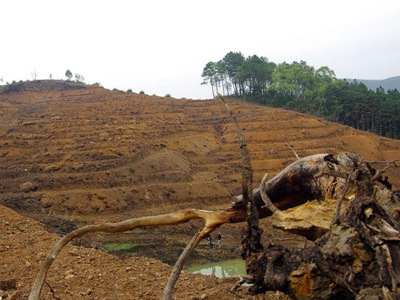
(71, 156)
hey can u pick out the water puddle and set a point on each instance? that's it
(225, 268)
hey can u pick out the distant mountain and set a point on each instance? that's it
(388, 83)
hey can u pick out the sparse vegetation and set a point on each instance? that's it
(119, 246)
(79, 78)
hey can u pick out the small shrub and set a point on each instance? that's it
(129, 90)
(141, 92)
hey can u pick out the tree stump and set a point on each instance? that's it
(358, 258)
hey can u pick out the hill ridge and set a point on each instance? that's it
(389, 83)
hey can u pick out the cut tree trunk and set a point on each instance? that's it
(359, 257)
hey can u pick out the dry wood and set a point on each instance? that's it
(212, 220)
(358, 258)
(291, 148)
(182, 259)
(295, 184)
(252, 248)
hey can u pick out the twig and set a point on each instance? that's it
(291, 148)
(234, 293)
(53, 293)
(182, 259)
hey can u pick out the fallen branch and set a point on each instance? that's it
(182, 259)
(212, 220)
(252, 248)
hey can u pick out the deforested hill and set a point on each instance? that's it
(87, 151)
(72, 155)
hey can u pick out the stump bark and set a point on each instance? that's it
(359, 257)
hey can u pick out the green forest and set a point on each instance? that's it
(304, 88)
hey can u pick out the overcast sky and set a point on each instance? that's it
(161, 46)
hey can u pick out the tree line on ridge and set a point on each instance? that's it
(303, 88)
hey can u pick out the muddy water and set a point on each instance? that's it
(225, 268)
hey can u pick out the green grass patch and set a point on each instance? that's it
(119, 246)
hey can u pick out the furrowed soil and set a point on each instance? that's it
(73, 155)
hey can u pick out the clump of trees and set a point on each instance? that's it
(304, 88)
(78, 77)
(239, 76)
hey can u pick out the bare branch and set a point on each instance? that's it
(247, 171)
(387, 162)
(212, 220)
(384, 161)
(251, 242)
(182, 260)
(291, 147)
(379, 172)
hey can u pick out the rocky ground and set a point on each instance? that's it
(72, 155)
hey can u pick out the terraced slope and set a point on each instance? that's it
(90, 151)
(72, 154)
